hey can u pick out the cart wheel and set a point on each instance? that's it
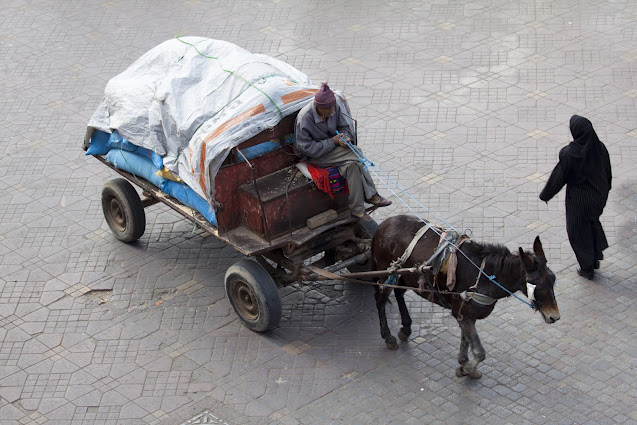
(253, 295)
(123, 210)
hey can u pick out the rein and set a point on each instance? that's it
(485, 299)
(466, 296)
(334, 276)
(476, 296)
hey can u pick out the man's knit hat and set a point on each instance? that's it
(324, 97)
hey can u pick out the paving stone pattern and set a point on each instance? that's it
(464, 104)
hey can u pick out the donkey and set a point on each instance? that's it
(518, 271)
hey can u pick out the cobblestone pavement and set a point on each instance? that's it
(465, 104)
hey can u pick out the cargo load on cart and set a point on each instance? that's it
(187, 111)
(207, 128)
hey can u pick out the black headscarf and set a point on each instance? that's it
(584, 154)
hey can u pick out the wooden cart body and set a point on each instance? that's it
(263, 206)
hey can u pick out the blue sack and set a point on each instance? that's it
(116, 141)
(99, 142)
(135, 164)
(263, 148)
(184, 194)
(155, 158)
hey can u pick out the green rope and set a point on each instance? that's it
(234, 74)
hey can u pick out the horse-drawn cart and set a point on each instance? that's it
(207, 128)
(265, 209)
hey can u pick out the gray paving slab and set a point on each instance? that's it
(463, 104)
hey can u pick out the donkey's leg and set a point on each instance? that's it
(468, 367)
(382, 294)
(405, 319)
(463, 354)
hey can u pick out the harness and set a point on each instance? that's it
(398, 263)
(444, 260)
(476, 296)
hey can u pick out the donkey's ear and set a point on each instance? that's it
(526, 260)
(537, 248)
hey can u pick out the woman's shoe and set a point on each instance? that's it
(588, 274)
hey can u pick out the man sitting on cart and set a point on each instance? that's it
(317, 141)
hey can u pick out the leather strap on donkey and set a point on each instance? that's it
(441, 260)
(445, 259)
(396, 264)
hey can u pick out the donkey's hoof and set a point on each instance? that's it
(403, 336)
(474, 374)
(391, 343)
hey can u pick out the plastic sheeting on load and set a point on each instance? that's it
(192, 99)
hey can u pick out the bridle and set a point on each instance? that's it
(472, 295)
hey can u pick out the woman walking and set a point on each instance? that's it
(584, 167)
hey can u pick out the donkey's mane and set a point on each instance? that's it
(497, 256)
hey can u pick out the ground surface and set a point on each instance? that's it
(463, 104)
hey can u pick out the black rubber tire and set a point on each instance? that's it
(253, 295)
(123, 210)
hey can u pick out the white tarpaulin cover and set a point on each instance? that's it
(193, 99)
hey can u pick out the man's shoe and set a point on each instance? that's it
(596, 264)
(379, 201)
(588, 274)
(364, 217)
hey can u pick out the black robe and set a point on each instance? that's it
(584, 167)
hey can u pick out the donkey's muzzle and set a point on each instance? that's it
(550, 315)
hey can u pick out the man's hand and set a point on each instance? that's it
(338, 141)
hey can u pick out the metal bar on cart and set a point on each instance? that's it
(325, 274)
(375, 273)
(347, 277)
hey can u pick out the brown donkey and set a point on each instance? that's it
(518, 271)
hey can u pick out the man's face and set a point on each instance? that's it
(325, 113)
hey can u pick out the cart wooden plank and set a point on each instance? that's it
(241, 238)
